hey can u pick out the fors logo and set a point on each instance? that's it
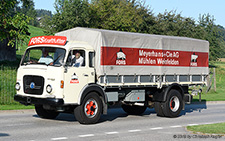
(121, 58)
(194, 58)
(74, 79)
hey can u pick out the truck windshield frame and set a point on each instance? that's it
(53, 56)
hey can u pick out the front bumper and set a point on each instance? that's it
(26, 100)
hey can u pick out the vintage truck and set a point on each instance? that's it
(133, 69)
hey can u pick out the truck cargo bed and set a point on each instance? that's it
(134, 58)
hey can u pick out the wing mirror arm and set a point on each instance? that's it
(66, 67)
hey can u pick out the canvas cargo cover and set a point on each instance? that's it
(126, 53)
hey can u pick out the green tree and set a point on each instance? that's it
(170, 23)
(212, 34)
(119, 15)
(46, 23)
(45, 20)
(43, 12)
(30, 11)
(70, 14)
(148, 18)
(12, 25)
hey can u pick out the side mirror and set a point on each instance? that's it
(66, 67)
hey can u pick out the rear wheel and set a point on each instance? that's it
(173, 105)
(89, 112)
(134, 110)
(43, 113)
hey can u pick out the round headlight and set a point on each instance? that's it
(17, 86)
(49, 88)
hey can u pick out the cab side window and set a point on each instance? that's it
(76, 58)
(91, 59)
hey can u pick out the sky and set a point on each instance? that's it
(187, 8)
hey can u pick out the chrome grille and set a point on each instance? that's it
(33, 84)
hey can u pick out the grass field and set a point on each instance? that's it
(35, 31)
(218, 128)
(8, 74)
(15, 107)
(7, 81)
(219, 94)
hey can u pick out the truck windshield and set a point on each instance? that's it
(44, 55)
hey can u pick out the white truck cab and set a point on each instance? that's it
(82, 70)
(58, 83)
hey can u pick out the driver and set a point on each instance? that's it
(45, 58)
(77, 60)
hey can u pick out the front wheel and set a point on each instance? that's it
(89, 112)
(173, 104)
(134, 110)
(43, 113)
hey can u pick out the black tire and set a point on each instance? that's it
(89, 112)
(173, 104)
(43, 113)
(158, 109)
(134, 110)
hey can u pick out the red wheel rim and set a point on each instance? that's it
(91, 108)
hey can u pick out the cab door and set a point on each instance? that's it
(77, 77)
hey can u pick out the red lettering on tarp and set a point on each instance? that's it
(42, 40)
(152, 57)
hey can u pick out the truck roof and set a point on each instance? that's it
(130, 39)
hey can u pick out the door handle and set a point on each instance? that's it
(85, 75)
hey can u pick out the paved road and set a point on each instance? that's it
(117, 125)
